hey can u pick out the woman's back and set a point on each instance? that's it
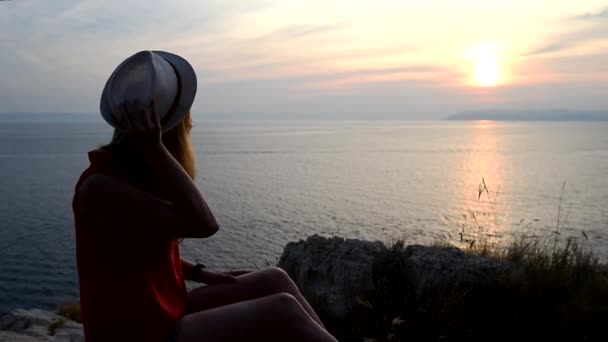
(131, 286)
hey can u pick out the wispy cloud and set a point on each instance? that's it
(426, 74)
(586, 29)
(554, 47)
(301, 30)
(67, 47)
(331, 63)
(599, 15)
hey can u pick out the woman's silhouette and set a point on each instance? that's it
(133, 205)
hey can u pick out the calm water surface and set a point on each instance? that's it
(271, 182)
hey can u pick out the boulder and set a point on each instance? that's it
(39, 325)
(434, 268)
(332, 273)
(11, 336)
(335, 274)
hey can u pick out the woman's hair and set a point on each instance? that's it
(179, 144)
(176, 140)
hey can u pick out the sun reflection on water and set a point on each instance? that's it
(482, 217)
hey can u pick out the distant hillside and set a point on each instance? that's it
(531, 115)
(48, 117)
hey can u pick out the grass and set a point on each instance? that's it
(562, 292)
(70, 311)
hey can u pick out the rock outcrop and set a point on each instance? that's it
(38, 325)
(433, 268)
(335, 274)
(332, 273)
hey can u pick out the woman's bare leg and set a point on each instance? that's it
(278, 317)
(248, 286)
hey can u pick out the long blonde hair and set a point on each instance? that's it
(176, 140)
(179, 144)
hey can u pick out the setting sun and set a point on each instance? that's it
(486, 68)
(486, 73)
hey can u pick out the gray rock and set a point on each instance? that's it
(11, 336)
(332, 273)
(33, 325)
(429, 268)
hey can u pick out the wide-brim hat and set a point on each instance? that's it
(161, 76)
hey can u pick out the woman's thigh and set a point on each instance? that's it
(278, 317)
(247, 286)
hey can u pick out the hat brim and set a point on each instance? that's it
(186, 78)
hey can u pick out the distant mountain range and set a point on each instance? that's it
(531, 115)
(48, 117)
(491, 114)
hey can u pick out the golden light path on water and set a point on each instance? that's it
(485, 217)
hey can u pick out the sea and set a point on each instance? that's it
(273, 182)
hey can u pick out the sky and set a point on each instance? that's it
(315, 59)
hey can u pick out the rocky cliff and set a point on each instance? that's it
(38, 325)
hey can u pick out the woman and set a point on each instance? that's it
(134, 204)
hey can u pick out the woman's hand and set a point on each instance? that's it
(141, 126)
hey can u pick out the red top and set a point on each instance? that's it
(131, 288)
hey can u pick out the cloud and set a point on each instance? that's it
(356, 77)
(300, 31)
(600, 15)
(306, 77)
(591, 28)
(246, 53)
(275, 99)
(53, 50)
(301, 76)
(63, 48)
(554, 47)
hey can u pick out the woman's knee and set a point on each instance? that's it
(293, 318)
(279, 278)
(284, 298)
(288, 306)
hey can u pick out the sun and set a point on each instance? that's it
(486, 67)
(486, 73)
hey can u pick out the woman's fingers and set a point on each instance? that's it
(149, 115)
(154, 119)
(136, 116)
(126, 117)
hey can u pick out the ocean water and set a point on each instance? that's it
(272, 182)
